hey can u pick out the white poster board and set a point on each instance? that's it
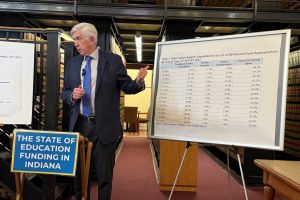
(16, 82)
(222, 90)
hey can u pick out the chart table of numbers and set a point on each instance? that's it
(223, 93)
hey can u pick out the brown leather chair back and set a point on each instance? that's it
(130, 114)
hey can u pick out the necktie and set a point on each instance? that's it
(86, 99)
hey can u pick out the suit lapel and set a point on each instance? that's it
(78, 72)
(100, 68)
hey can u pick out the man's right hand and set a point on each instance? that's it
(77, 93)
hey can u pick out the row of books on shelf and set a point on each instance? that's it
(292, 138)
(292, 126)
(294, 58)
(292, 116)
(293, 94)
(292, 135)
(294, 76)
(293, 108)
(291, 145)
(293, 99)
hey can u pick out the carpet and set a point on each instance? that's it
(134, 178)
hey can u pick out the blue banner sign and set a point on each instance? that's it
(45, 152)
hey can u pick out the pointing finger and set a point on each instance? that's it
(147, 67)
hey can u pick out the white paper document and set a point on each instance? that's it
(16, 82)
(10, 83)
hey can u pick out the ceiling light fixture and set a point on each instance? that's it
(138, 44)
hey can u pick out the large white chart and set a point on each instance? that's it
(223, 90)
(16, 82)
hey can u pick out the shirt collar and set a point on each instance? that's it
(95, 53)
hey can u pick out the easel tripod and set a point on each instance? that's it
(228, 170)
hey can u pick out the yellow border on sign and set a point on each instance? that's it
(47, 132)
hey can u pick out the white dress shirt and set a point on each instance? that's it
(94, 65)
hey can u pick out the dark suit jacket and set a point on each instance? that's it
(111, 78)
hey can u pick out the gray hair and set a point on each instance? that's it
(87, 30)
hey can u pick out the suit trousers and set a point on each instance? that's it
(103, 156)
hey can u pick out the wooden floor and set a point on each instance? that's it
(142, 132)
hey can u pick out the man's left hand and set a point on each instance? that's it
(142, 74)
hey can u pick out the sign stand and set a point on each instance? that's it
(188, 144)
(85, 158)
(19, 179)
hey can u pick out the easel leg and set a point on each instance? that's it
(242, 175)
(188, 144)
(228, 175)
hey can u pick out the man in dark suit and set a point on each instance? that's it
(93, 81)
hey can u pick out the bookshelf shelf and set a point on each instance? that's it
(294, 84)
(293, 102)
(294, 66)
(294, 120)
